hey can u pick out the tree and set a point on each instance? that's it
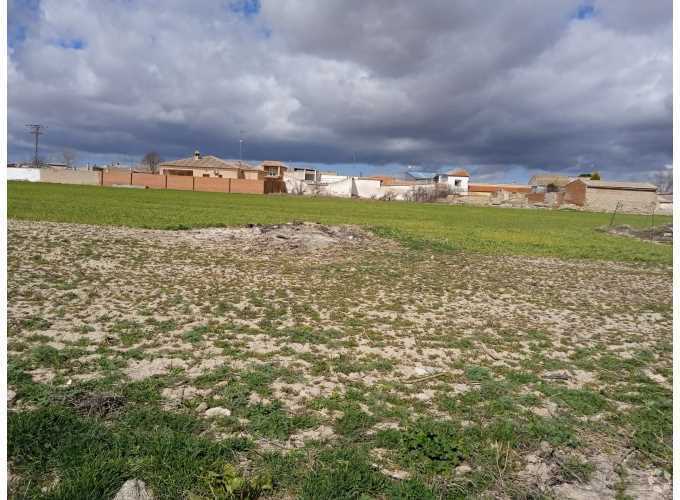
(151, 160)
(595, 176)
(69, 156)
(664, 180)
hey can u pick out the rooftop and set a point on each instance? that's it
(635, 186)
(494, 188)
(417, 174)
(458, 172)
(546, 179)
(208, 161)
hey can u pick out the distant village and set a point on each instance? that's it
(210, 173)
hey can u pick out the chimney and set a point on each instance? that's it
(197, 155)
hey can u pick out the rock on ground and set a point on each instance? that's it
(133, 489)
(218, 412)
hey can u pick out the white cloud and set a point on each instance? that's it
(438, 83)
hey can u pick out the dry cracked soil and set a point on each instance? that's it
(552, 377)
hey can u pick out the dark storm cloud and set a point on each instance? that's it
(552, 85)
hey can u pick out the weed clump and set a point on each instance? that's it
(435, 446)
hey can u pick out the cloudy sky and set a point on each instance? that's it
(504, 88)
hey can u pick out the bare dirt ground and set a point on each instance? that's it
(564, 367)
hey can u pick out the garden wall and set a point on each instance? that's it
(60, 176)
(23, 174)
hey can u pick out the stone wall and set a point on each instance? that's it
(631, 201)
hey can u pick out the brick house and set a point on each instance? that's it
(606, 195)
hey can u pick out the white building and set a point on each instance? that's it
(457, 179)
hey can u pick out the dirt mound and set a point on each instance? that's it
(659, 234)
(305, 235)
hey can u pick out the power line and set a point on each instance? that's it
(35, 131)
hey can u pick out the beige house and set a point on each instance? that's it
(546, 183)
(611, 195)
(273, 169)
(210, 166)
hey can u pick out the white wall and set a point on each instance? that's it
(333, 178)
(463, 183)
(367, 188)
(340, 188)
(23, 174)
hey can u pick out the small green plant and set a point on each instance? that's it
(35, 323)
(229, 484)
(437, 446)
(353, 422)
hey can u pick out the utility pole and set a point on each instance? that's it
(240, 146)
(35, 131)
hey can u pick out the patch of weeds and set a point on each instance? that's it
(434, 446)
(35, 323)
(477, 373)
(273, 421)
(195, 335)
(388, 438)
(210, 378)
(581, 401)
(228, 483)
(129, 332)
(343, 474)
(46, 355)
(353, 422)
(556, 431)
(164, 326)
(653, 431)
(411, 489)
(347, 364)
(95, 459)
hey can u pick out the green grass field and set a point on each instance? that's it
(563, 234)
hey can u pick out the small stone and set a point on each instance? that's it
(11, 395)
(218, 411)
(463, 469)
(545, 448)
(201, 407)
(133, 489)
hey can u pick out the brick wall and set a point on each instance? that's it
(247, 186)
(212, 184)
(536, 197)
(152, 181)
(575, 193)
(112, 178)
(181, 182)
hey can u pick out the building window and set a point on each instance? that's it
(206, 175)
(456, 183)
(272, 172)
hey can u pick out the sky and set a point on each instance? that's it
(504, 89)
